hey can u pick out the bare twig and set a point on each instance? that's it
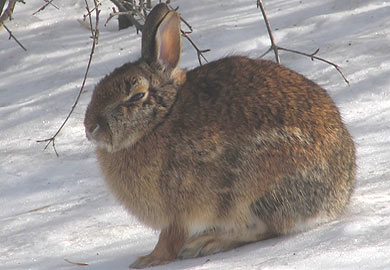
(122, 8)
(268, 25)
(12, 36)
(276, 48)
(76, 263)
(50, 3)
(7, 14)
(119, 13)
(39, 209)
(45, 5)
(130, 13)
(187, 24)
(141, 12)
(89, 12)
(95, 35)
(264, 54)
(199, 52)
(313, 56)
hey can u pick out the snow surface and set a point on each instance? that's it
(57, 209)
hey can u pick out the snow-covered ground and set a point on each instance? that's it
(58, 209)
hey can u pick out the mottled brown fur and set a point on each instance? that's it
(228, 153)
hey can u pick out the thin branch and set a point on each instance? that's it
(119, 13)
(14, 38)
(199, 52)
(50, 3)
(182, 19)
(276, 48)
(44, 6)
(95, 36)
(264, 54)
(187, 24)
(313, 56)
(7, 14)
(89, 12)
(76, 263)
(268, 25)
(129, 14)
(141, 11)
(122, 8)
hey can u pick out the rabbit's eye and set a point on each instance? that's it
(137, 97)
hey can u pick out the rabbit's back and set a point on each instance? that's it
(254, 95)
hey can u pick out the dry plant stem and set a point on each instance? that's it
(139, 10)
(7, 14)
(76, 263)
(276, 48)
(95, 34)
(267, 24)
(119, 13)
(313, 56)
(186, 23)
(264, 54)
(45, 5)
(12, 36)
(199, 52)
(91, 11)
(121, 8)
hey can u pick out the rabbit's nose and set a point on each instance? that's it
(92, 130)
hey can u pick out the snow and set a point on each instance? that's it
(57, 209)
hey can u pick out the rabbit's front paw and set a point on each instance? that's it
(148, 261)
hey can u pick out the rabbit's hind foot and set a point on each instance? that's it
(212, 242)
(203, 245)
(148, 261)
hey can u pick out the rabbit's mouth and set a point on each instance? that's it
(101, 137)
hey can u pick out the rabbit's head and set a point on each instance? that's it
(134, 98)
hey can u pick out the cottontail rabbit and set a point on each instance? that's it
(228, 153)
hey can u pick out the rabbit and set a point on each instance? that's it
(232, 152)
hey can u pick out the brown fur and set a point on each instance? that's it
(232, 152)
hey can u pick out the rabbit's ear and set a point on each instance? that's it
(149, 30)
(168, 41)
